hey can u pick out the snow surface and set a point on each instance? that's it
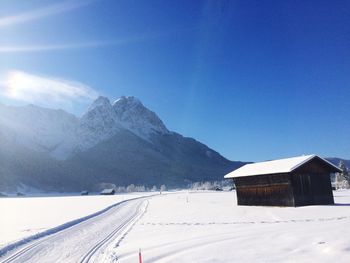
(178, 227)
(83, 242)
(26, 216)
(210, 227)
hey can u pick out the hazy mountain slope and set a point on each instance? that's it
(37, 128)
(22, 166)
(122, 159)
(172, 160)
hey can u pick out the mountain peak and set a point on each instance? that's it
(98, 123)
(131, 100)
(100, 101)
(126, 103)
(133, 115)
(103, 120)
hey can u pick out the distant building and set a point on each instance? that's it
(297, 181)
(108, 192)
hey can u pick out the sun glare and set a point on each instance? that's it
(15, 85)
(43, 90)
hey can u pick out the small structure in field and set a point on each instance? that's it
(110, 191)
(297, 181)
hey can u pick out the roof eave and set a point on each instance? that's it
(237, 176)
(316, 156)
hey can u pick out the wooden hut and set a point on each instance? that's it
(297, 181)
(110, 191)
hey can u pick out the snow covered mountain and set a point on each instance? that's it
(37, 128)
(103, 120)
(62, 134)
(120, 143)
(132, 115)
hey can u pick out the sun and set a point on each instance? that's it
(15, 84)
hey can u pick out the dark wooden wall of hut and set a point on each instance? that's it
(269, 190)
(312, 184)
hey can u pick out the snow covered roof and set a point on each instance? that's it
(274, 167)
(107, 191)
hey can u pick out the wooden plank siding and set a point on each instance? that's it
(270, 190)
(312, 184)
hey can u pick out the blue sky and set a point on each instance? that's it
(254, 80)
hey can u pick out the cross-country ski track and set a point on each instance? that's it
(85, 241)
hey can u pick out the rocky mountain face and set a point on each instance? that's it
(121, 142)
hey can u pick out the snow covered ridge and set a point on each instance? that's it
(133, 115)
(35, 127)
(62, 134)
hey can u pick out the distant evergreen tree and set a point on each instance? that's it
(162, 188)
(345, 172)
(342, 178)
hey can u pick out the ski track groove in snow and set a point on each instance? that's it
(125, 224)
(31, 243)
(56, 229)
(21, 252)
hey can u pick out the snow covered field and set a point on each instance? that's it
(210, 227)
(25, 216)
(176, 227)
